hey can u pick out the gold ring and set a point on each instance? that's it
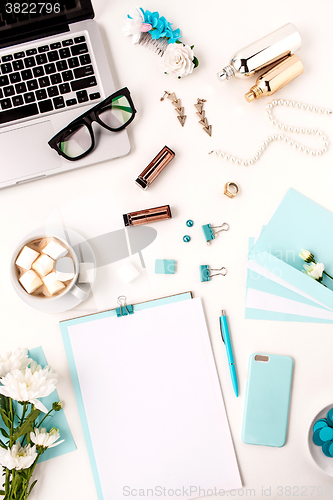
(231, 189)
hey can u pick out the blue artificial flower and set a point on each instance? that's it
(175, 36)
(161, 27)
(151, 17)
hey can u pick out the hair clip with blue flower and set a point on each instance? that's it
(155, 32)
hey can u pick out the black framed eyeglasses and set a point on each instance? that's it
(77, 139)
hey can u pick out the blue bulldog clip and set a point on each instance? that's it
(205, 274)
(209, 232)
(124, 309)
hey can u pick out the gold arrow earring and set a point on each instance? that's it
(201, 114)
(178, 107)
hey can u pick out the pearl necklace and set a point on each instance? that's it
(282, 137)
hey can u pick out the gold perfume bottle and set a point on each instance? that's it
(276, 78)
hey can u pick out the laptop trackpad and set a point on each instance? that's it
(25, 151)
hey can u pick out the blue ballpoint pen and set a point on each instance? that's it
(226, 339)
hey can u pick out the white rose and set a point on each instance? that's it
(178, 60)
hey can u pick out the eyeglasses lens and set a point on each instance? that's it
(117, 113)
(76, 143)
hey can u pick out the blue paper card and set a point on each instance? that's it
(57, 419)
(297, 223)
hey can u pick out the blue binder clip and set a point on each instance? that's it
(210, 234)
(124, 309)
(205, 274)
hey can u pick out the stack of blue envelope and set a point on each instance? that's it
(277, 289)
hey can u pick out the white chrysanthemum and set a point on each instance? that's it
(178, 60)
(13, 360)
(315, 271)
(18, 457)
(30, 384)
(45, 439)
(306, 255)
(135, 24)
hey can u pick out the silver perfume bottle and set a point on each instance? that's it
(264, 52)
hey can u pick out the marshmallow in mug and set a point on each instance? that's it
(52, 283)
(65, 269)
(30, 281)
(26, 258)
(43, 265)
(55, 250)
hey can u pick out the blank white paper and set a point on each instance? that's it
(257, 299)
(254, 266)
(153, 403)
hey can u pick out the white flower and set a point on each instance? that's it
(135, 24)
(45, 439)
(12, 360)
(18, 457)
(315, 271)
(29, 384)
(178, 60)
(306, 255)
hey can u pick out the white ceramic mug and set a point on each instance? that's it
(72, 288)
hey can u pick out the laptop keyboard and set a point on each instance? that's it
(46, 79)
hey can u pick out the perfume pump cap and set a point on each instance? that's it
(227, 73)
(249, 96)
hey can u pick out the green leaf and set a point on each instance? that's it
(192, 47)
(24, 473)
(27, 425)
(178, 41)
(2, 444)
(4, 433)
(3, 402)
(32, 485)
(195, 62)
(2, 492)
(5, 419)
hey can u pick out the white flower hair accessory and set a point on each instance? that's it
(154, 31)
(178, 60)
(135, 25)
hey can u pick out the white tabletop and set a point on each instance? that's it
(92, 200)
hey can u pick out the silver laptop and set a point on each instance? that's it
(53, 67)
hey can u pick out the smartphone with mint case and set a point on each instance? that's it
(267, 399)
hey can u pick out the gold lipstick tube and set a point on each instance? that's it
(155, 167)
(276, 78)
(147, 216)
